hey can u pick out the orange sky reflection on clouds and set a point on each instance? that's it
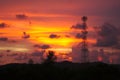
(39, 34)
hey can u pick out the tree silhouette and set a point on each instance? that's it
(51, 58)
(30, 61)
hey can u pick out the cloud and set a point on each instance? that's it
(54, 36)
(78, 35)
(12, 55)
(11, 41)
(38, 53)
(45, 46)
(21, 16)
(117, 46)
(68, 36)
(77, 26)
(3, 39)
(108, 35)
(1, 55)
(37, 46)
(21, 57)
(25, 35)
(3, 25)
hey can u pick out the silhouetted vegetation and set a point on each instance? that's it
(50, 58)
(60, 71)
(30, 61)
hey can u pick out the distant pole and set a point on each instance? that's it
(84, 47)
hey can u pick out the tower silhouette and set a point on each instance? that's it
(84, 46)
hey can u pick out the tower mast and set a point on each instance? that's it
(84, 47)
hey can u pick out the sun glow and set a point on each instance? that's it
(66, 42)
(40, 34)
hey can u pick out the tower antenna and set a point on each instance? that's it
(84, 47)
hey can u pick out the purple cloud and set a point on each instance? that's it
(25, 35)
(38, 53)
(54, 36)
(3, 25)
(78, 36)
(45, 46)
(108, 35)
(21, 16)
(77, 26)
(3, 39)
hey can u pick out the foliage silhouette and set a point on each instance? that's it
(30, 61)
(51, 58)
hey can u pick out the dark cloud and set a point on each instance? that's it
(68, 36)
(117, 46)
(21, 16)
(54, 36)
(3, 39)
(108, 35)
(38, 53)
(25, 35)
(8, 50)
(45, 46)
(37, 46)
(12, 55)
(13, 41)
(1, 55)
(3, 25)
(21, 57)
(78, 35)
(77, 26)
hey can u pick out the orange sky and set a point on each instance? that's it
(41, 18)
(44, 17)
(39, 34)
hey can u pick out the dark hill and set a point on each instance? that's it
(60, 71)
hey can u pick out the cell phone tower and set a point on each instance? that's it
(84, 46)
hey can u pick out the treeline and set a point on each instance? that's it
(60, 71)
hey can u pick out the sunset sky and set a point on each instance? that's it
(27, 25)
